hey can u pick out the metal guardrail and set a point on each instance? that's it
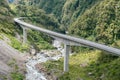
(70, 38)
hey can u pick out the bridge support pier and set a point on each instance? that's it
(66, 57)
(24, 35)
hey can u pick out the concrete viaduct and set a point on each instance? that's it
(67, 41)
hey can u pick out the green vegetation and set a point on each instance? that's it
(18, 45)
(3, 77)
(37, 16)
(6, 14)
(6, 34)
(15, 74)
(50, 7)
(40, 40)
(8, 28)
(14, 42)
(100, 23)
(72, 9)
(106, 68)
(91, 65)
(44, 20)
(95, 20)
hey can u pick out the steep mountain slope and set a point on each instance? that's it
(72, 9)
(6, 14)
(50, 7)
(96, 20)
(93, 18)
(37, 17)
(66, 11)
(99, 23)
(11, 61)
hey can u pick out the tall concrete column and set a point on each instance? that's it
(66, 57)
(24, 35)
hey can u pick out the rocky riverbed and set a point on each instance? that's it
(32, 68)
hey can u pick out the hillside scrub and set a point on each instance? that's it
(91, 65)
(100, 23)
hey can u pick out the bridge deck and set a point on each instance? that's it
(67, 40)
(70, 38)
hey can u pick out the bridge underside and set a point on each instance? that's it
(66, 43)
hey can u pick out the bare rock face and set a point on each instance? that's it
(9, 56)
(33, 51)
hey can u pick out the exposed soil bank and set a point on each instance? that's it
(9, 57)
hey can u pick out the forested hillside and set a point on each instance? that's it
(6, 15)
(39, 17)
(66, 11)
(100, 23)
(50, 7)
(95, 20)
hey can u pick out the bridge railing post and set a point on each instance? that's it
(66, 57)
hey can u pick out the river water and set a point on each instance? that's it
(43, 56)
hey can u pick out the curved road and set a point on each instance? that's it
(69, 39)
